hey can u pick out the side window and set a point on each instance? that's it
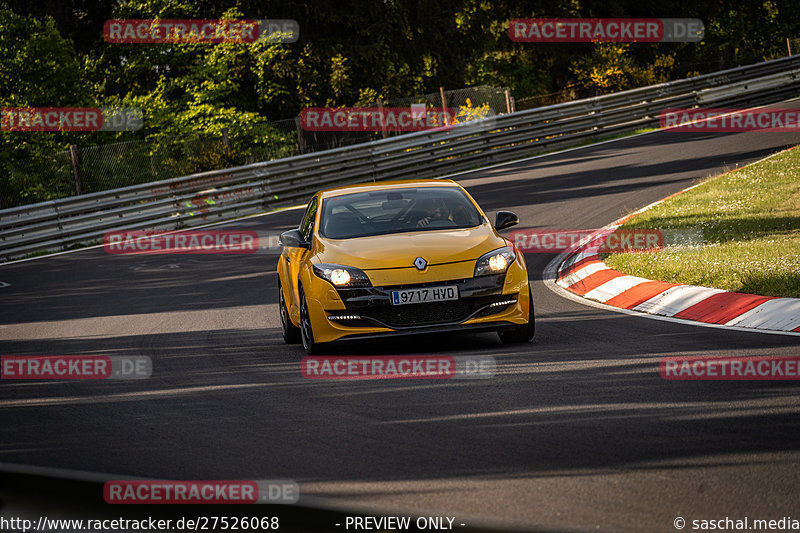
(307, 224)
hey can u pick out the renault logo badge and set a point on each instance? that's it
(420, 263)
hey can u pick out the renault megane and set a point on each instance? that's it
(396, 258)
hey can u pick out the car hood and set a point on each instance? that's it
(398, 250)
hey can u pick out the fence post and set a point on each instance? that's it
(225, 141)
(301, 143)
(508, 102)
(76, 167)
(444, 104)
(789, 45)
(383, 122)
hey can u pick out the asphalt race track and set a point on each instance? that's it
(577, 430)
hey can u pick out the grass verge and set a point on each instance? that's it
(750, 221)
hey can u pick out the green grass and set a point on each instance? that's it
(750, 221)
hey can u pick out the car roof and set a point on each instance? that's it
(386, 185)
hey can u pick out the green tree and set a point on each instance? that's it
(38, 68)
(611, 68)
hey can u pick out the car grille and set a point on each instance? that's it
(374, 308)
(423, 313)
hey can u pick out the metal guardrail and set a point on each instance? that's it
(224, 194)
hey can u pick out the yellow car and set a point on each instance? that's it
(397, 258)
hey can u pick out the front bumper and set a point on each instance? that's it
(485, 303)
(372, 307)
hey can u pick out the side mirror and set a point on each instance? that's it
(293, 239)
(505, 219)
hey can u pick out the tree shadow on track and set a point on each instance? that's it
(543, 187)
(584, 397)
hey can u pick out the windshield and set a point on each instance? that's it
(397, 211)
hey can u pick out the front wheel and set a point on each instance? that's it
(306, 331)
(524, 332)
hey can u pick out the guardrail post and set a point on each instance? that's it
(76, 170)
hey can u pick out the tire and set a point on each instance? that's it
(306, 331)
(522, 333)
(291, 333)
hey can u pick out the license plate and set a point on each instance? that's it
(427, 294)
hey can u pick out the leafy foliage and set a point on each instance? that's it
(349, 53)
(611, 68)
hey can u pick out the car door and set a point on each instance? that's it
(295, 257)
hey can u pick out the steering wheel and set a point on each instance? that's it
(360, 215)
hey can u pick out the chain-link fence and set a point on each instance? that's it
(87, 169)
(565, 95)
(792, 46)
(497, 99)
(468, 104)
(97, 168)
(778, 48)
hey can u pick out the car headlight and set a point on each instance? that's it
(341, 275)
(495, 262)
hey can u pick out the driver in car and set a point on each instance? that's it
(434, 212)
